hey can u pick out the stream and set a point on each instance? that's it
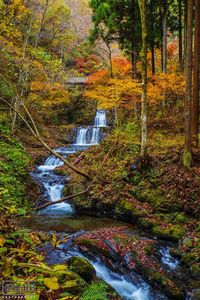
(62, 218)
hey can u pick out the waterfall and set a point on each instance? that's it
(81, 139)
(91, 135)
(95, 136)
(100, 118)
(53, 184)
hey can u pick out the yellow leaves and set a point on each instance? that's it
(169, 86)
(54, 240)
(2, 241)
(51, 283)
(47, 94)
(7, 267)
(115, 92)
(70, 298)
(35, 238)
(9, 15)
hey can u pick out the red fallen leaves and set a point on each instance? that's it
(186, 185)
(134, 250)
(97, 237)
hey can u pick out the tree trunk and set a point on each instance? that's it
(195, 102)
(42, 23)
(187, 158)
(185, 31)
(133, 43)
(152, 41)
(153, 57)
(134, 57)
(164, 45)
(110, 59)
(164, 39)
(180, 36)
(143, 13)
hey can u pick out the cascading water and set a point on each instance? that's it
(81, 139)
(95, 136)
(167, 259)
(91, 135)
(53, 185)
(129, 287)
(100, 118)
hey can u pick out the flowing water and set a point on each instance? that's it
(100, 118)
(61, 216)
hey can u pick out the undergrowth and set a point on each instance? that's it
(13, 173)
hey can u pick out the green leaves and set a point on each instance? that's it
(13, 172)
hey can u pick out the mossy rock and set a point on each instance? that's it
(73, 188)
(189, 258)
(83, 204)
(159, 201)
(126, 209)
(195, 271)
(170, 232)
(167, 285)
(147, 223)
(81, 267)
(59, 171)
(196, 295)
(70, 281)
(187, 242)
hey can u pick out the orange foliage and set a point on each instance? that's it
(121, 66)
(172, 49)
(170, 87)
(120, 91)
(99, 77)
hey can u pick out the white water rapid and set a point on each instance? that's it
(128, 289)
(167, 259)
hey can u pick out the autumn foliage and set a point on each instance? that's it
(123, 91)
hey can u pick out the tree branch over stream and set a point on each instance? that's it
(37, 136)
(61, 200)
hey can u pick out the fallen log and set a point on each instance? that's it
(61, 200)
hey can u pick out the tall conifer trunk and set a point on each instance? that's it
(143, 13)
(187, 158)
(195, 102)
(180, 35)
(164, 38)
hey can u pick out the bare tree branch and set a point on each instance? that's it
(61, 200)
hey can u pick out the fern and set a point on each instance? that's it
(96, 291)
